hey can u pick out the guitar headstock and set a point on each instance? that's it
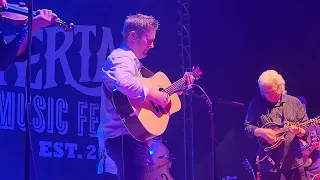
(247, 165)
(196, 72)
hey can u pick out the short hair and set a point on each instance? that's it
(302, 99)
(270, 77)
(139, 23)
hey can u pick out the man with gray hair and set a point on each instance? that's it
(119, 72)
(275, 106)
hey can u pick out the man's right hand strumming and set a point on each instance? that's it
(158, 97)
(267, 134)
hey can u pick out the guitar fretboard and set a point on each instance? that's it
(304, 148)
(311, 122)
(176, 86)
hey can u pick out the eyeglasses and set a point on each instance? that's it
(272, 91)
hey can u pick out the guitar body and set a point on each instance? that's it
(146, 119)
(279, 139)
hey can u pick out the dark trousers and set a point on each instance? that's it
(295, 174)
(107, 176)
(129, 155)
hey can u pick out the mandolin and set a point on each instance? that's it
(281, 132)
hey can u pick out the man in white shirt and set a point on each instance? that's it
(121, 66)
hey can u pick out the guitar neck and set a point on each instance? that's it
(176, 86)
(306, 147)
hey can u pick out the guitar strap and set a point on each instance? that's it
(285, 145)
(146, 72)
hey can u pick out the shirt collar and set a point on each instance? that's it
(283, 99)
(128, 51)
(130, 54)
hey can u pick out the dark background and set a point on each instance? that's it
(232, 41)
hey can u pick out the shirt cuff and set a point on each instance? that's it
(250, 130)
(253, 128)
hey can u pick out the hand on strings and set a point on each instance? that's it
(315, 145)
(159, 98)
(270, 136)
(294, 129)
(267, 134)
(44, 18)
(190, 78)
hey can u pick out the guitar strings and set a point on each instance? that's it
(170, 90)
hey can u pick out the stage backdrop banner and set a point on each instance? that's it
(65, 88)
(65, 83)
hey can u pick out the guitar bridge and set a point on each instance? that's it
(157, 108)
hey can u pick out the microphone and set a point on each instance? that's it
(233, 103)
(194, 94)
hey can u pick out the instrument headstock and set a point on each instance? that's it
(196, 72)
(67, 27)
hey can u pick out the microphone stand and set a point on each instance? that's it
(213, 139)
(27, 113)
(212, 123)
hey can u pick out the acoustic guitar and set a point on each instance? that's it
(145, 120)
(281, 132)
(307, 161)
